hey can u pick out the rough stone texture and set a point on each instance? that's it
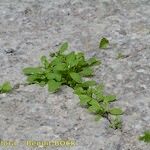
(31, 28)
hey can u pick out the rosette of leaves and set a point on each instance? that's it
(63, 68)
(92, 97)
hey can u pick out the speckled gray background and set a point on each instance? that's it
(32, 28)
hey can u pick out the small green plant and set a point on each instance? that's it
(92, 97)
(62, 69)
(5, 87)
(104, 43)
(145, 137)
(70, 69)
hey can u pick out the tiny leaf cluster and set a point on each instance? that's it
(145, 137)
(5, 87)
(71, 68)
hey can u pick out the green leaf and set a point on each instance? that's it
(57, 60)
(145, 137)
(79, 91)
(110, 98)
(116, 111)
(100, 87)
(44, 61)
(30, 71)
(105, 105)
(89, 91)
(60, 67)
(84, 99)
(81, 59)
(71, 59)
(32, 79)
(99, 97)
(86, 72)
(80, 56)
(104, 43)
(98, 93)
(76, 77)
(6, 87)
(55, 76)
(95, 106)
(53, 85)
(35, 78)
(63, 47)
(93, 61)
(88, 83)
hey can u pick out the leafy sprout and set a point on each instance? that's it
(145, 137)
(5, 87)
